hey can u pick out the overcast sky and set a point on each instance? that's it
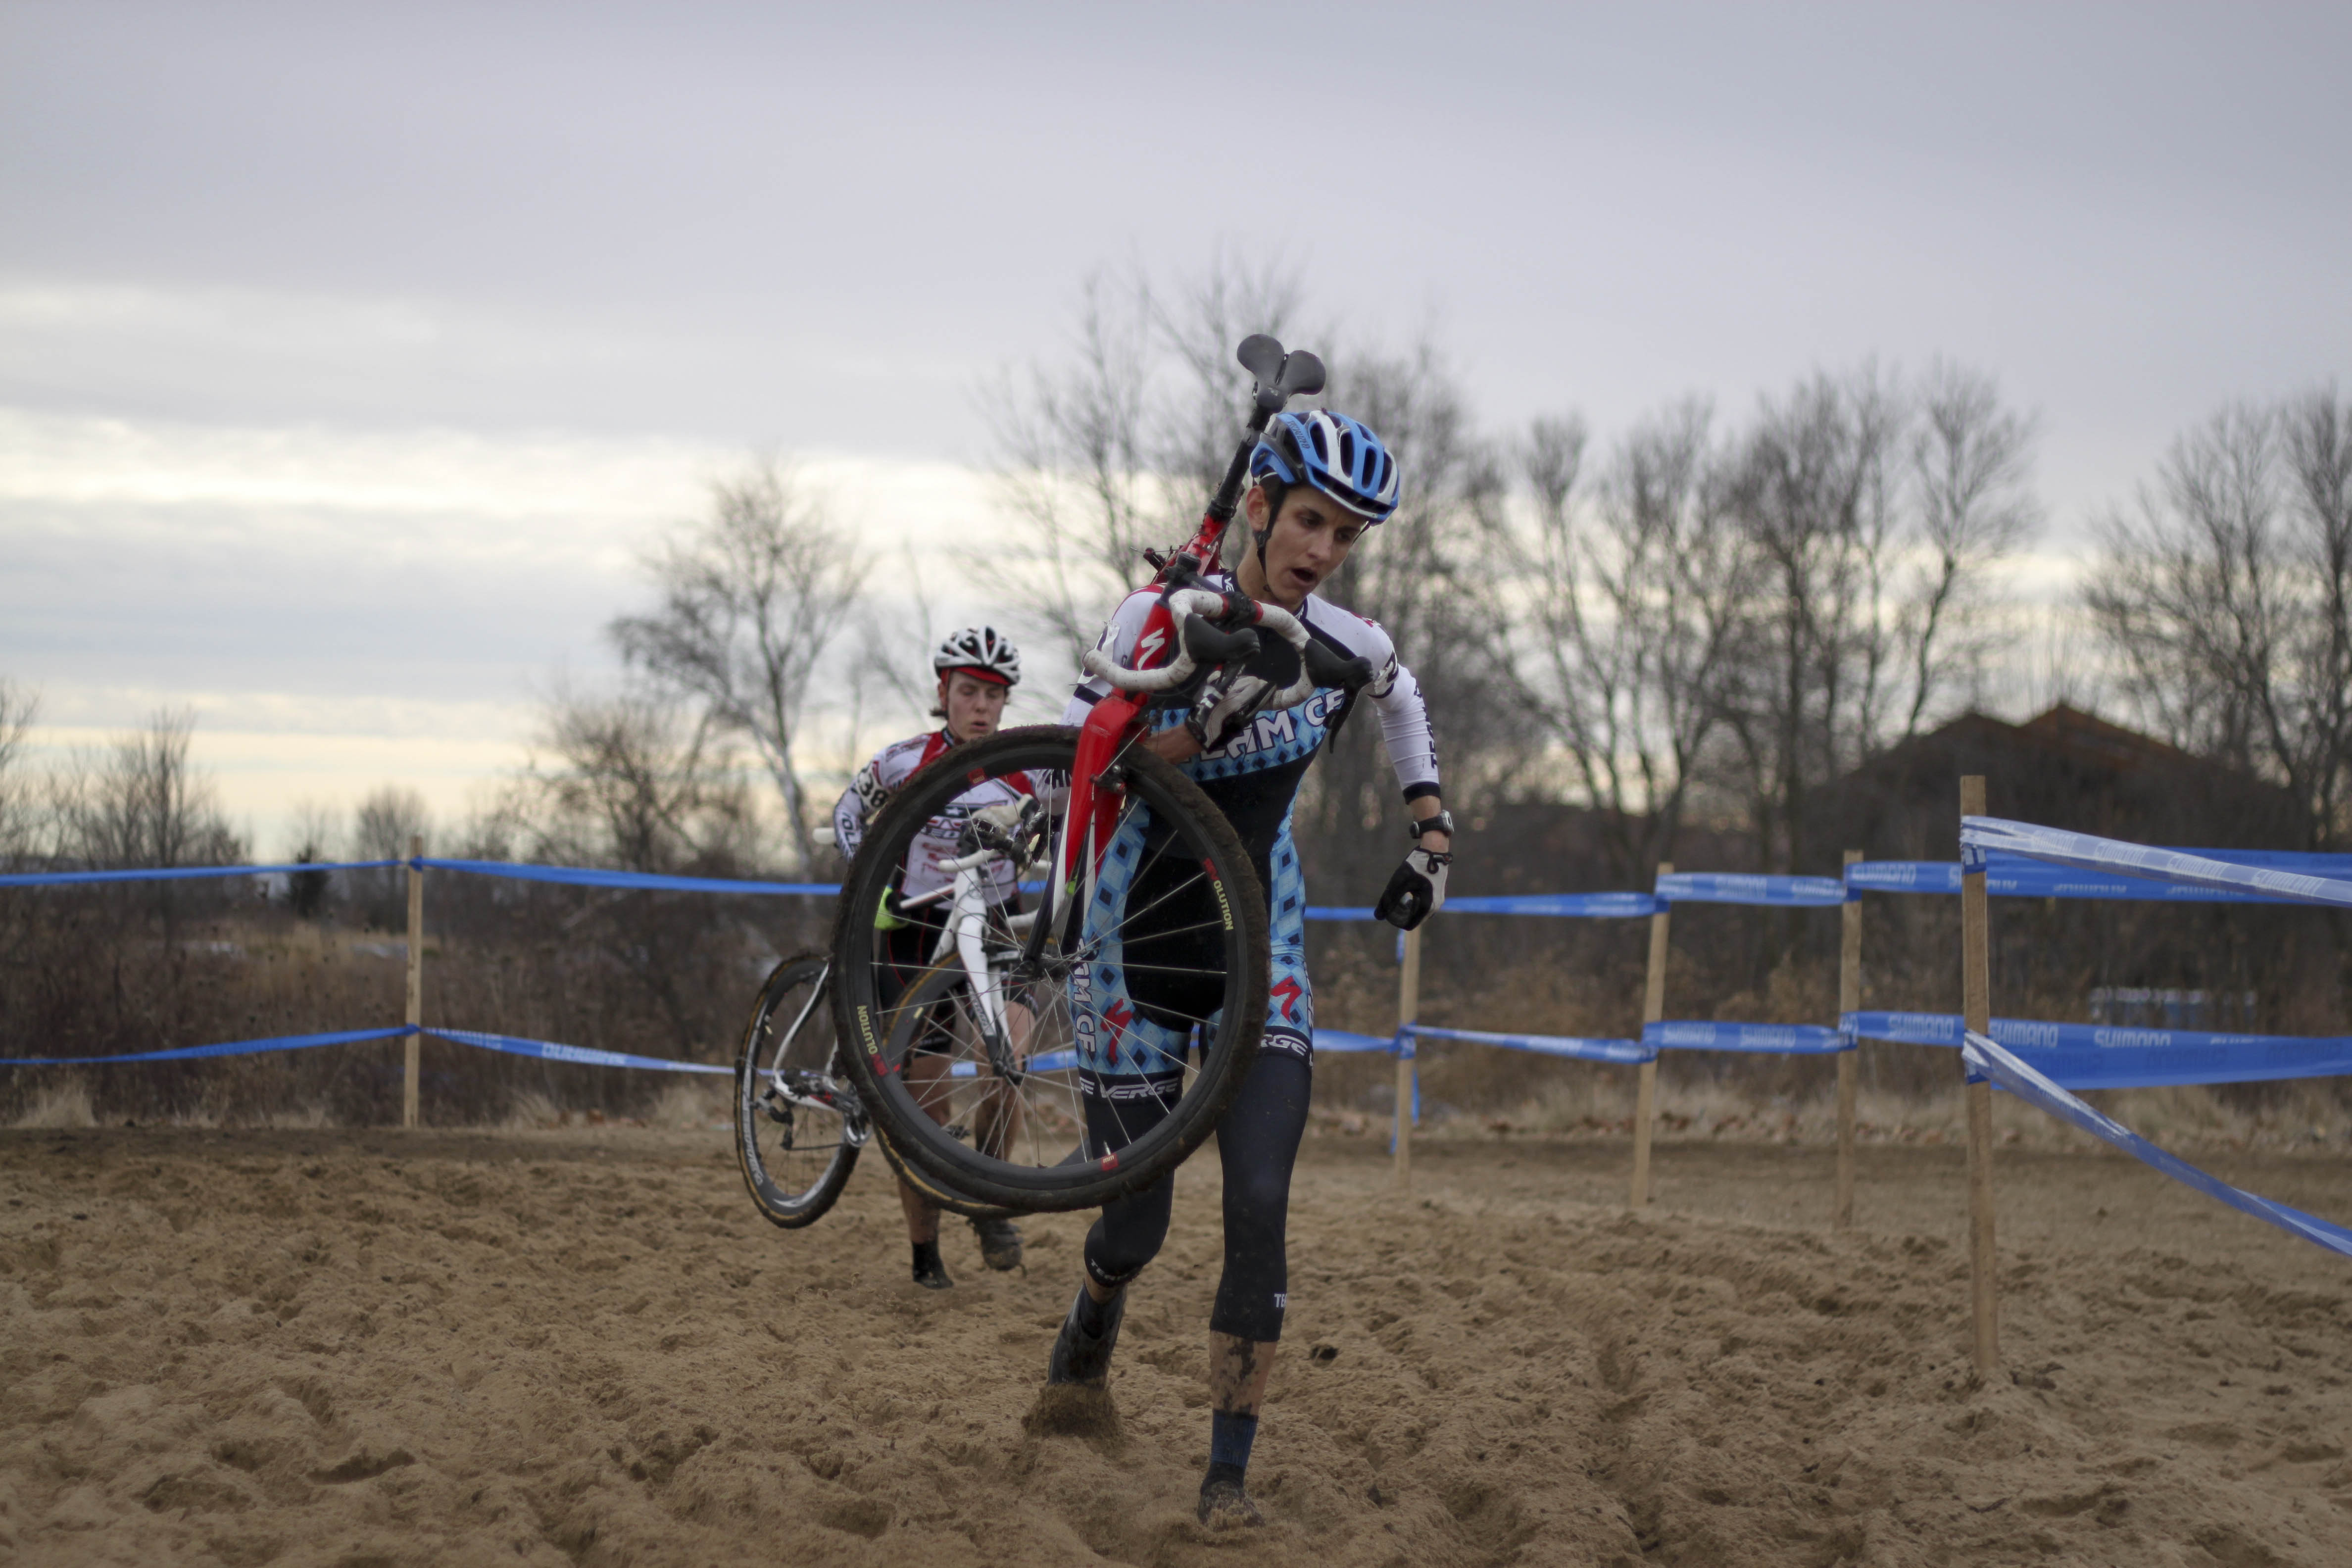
(348, 355)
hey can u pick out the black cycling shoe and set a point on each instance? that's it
(929, 1272)
(1225, 1505)
(1000, 1243)
(1082, 1349)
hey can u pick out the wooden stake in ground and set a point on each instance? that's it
(1976, 1004)
(1408, 1011)
(415, 980)
(1653, 1007)
(1849, 1001)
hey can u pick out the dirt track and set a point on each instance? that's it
(363, 1349)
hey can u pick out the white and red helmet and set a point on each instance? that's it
(984, 651)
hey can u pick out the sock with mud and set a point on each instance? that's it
(928, 1270)
(1229, 1436)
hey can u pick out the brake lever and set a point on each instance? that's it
(1209, 645)
(1326, 668)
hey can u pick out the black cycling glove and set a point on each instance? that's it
(1417, 891)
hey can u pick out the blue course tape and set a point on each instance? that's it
(545, 1049)
(2011, 876)
(582, 877)
(1723, 887)
(1341, 1040)
(1982, 837)
(184, 873)
(1328, 912)
(1986, 1060)
(2108, 1055)
(1584, 906)
(1325, 1040)
(1052, 1061)
(231, 1048)
(1622, 1052)
(548, 1050)
(1691, 1035)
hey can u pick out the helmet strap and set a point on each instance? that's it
(1275, 491)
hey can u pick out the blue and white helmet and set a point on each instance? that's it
(1336, 455)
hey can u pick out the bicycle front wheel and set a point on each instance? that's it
(1056, 1069)
(798, 1123)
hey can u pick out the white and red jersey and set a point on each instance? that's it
(937, 844)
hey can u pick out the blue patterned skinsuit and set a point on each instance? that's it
(1132, 1032)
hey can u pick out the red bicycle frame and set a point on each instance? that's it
(1118, 720)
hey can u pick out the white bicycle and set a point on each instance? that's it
(988, 1060)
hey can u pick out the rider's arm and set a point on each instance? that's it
(1411, 740)
(858, 803)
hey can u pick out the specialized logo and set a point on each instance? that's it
(1148, 646)
(1287, 994)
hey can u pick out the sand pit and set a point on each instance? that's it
(370, 1349)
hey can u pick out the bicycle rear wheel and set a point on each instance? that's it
(797, 1123)
(1125, 1029)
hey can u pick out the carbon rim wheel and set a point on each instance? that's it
(795, 1145)
(1155, 979)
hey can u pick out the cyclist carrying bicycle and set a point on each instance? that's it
(978, 667)
(1318, 480)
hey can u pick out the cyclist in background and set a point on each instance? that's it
(977, 669)
(1319, 480)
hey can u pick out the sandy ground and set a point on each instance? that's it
(313, 1347)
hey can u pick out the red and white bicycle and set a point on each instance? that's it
(1107, 933)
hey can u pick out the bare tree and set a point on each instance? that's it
(1430, 577)
(893, 660)
(1634, 608)
(1812, 488)
(142, 804)
(316, 832)
(20, 795)
(382, 828)
(624, 780)
(752, 597)
(1971, 463)
(386, 820)
(1118, 447)
(629, 782)
(2226, 596)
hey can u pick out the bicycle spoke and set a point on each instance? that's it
(946, 1007)
(1088, 955)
